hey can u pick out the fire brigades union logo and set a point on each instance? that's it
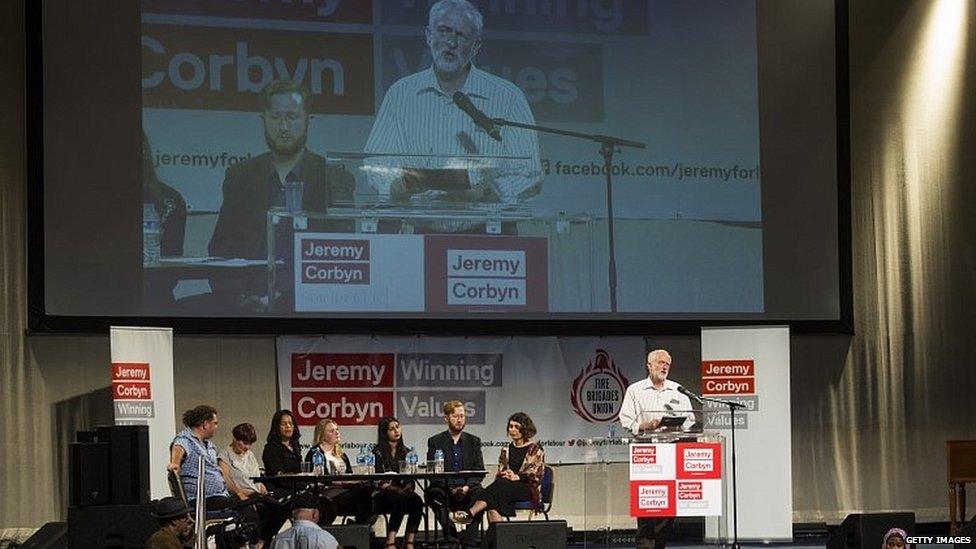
(598, 390)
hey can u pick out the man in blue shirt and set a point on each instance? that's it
(305, 533)
(191, 443)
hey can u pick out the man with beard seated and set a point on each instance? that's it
(252, 187)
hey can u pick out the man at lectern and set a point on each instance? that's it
(422, 114)
(645, 403)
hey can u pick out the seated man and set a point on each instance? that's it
(462, 452)
(305, 531)
(191, 443)
(253, 187)
(175, 529)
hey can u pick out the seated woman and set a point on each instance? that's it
(281, 453)
(396, 497)
(520, 470)
(340, 497)
(237, 465)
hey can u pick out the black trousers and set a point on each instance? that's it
(652, 533)
(345, 500)
(398, 504)
(441, 501)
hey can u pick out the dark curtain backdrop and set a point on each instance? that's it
(871, 413)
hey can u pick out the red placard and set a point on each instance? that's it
(130, 371)
(728, 368)
(345, 407)
(698, 460)
(729, 386)
(340, 370)
(652, 498)
(131, 390)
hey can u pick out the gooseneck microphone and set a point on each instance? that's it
(689, 394)
(481, 119)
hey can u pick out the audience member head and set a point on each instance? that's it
(305, 506)
(172, 513)
(894, 539)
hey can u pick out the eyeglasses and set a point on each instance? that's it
(446, 33)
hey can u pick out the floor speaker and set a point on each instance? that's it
(89, 474)
(967, 531)
(534, 534)
(351, 536)
(53, 535)
(110, 525)
(130, 461)
(867, 530)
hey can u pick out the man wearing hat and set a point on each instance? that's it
(175, 529)
(305, 530)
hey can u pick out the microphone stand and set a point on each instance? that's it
(608, 146)
(732, 406)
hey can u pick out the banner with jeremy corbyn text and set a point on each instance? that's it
(142, 391)
(572, 388)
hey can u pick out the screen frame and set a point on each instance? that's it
(40, 322)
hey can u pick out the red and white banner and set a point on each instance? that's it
(142, 391)
(432, 273)
(751, 366)
(571, 387)
(681, 479)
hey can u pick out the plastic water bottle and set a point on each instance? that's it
(370, 461)
(612, 431)
(412, 460)
(361, 460)
(318, 462)
(439, 461)
(151, 235)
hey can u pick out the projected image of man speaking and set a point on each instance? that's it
(420, 116)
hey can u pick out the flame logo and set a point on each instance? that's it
(603, 366)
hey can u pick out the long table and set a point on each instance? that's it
(425, 477)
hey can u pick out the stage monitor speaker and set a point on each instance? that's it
(351, 536)
(90, 471)
(534, 534)
(868, 529)
(967, 531)
(130, 461)
(110, 525)
(53, 535)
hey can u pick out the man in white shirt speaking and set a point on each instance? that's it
(419, 117)
(645, 403)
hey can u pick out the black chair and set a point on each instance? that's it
(546, 489)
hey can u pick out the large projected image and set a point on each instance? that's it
(351, 157)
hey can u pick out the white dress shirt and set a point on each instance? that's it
(643, 402)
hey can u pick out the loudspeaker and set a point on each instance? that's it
(53, 535)
(867, 530)
(535, 534)
(89, 474)
(110, 525)
(130, 461)
(351, 536)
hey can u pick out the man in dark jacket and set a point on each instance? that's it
(462, 452)
(253, 187)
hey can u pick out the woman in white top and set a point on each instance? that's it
(340, 497)
(237, 465)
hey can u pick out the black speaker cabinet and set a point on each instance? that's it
(110, 526)
(868, 529)
(526, 534)
(351, 536)
(89, 480)
(130, 461)
(53, 535)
